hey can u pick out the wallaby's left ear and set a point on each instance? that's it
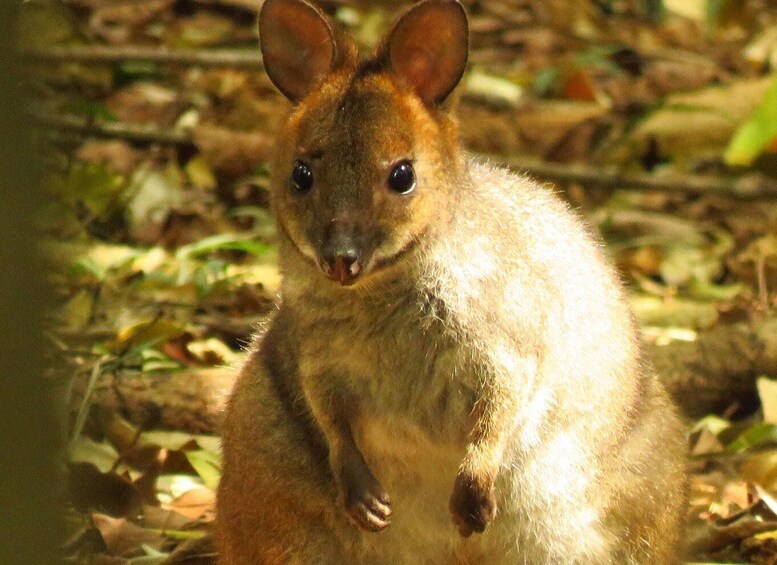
(427, 50)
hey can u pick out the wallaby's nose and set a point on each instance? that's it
(342, 267)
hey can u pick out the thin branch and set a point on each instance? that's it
(86, 402)
(251, 6)
(481, 89)
(746, 187)
(137, 133)
(101, 54)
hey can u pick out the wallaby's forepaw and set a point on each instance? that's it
(472, 504)
(367, 504)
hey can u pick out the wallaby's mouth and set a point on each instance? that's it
(343, 269)
(346, 268)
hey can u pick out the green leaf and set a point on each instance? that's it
(157, 364)
(755, 436)
(44, 23)
(94, 110)
(712, 13)
(181, 534)
(94, 185)
(705, 290)
(132, 71)
(208, 466)
(226, 241)
(545, 80)
(200, 173)
(145, 333)
(152, 556)
(89, 267)
(654, 9)
(598, 57)
(101, 454)
(756, 133)
(713, 423)
(202, 282)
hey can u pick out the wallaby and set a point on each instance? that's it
(452, 354)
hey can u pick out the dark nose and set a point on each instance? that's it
(341, 266)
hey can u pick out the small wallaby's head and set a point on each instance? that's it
(365, 162)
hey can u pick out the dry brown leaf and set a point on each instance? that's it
(697, 122)
(106, 492)
(230, 153)
(198, 504)
(645, 259)
(211, 351)
(706, 443)
(761, 468)
(580, 86)
(164, 519)
(120, 156)
(736, 497)
(124, 538)
(146, 484)
(767, 393)
(115, 22)
(757, 261)
(145, 102)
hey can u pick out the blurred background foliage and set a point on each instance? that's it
(153, 123)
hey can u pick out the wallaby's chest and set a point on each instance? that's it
(399, 366)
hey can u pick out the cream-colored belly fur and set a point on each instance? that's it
(535, 498)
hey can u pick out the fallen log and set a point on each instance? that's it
(190, 400)
(718, 370)
(712, 374)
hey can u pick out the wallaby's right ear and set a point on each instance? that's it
(299, 47)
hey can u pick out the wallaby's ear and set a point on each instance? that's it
(299, 47)
(427, 50)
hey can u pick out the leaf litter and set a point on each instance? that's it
(163, 255)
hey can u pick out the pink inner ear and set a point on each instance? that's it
(428, 48)
(418, 70)
(309, 51)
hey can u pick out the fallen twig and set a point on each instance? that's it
(750, 186)
(100, 54)
(137, 133)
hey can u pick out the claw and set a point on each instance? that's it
(366, 503)
(370, 513)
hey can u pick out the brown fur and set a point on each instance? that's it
(481, 374)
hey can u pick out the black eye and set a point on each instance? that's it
(402, 178)
(301, 177)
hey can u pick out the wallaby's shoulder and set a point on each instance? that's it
(505, 222)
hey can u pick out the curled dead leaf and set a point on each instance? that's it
(123, 538)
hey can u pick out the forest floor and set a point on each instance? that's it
(656, 120)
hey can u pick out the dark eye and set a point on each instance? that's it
(301, 177)
(402, 178)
